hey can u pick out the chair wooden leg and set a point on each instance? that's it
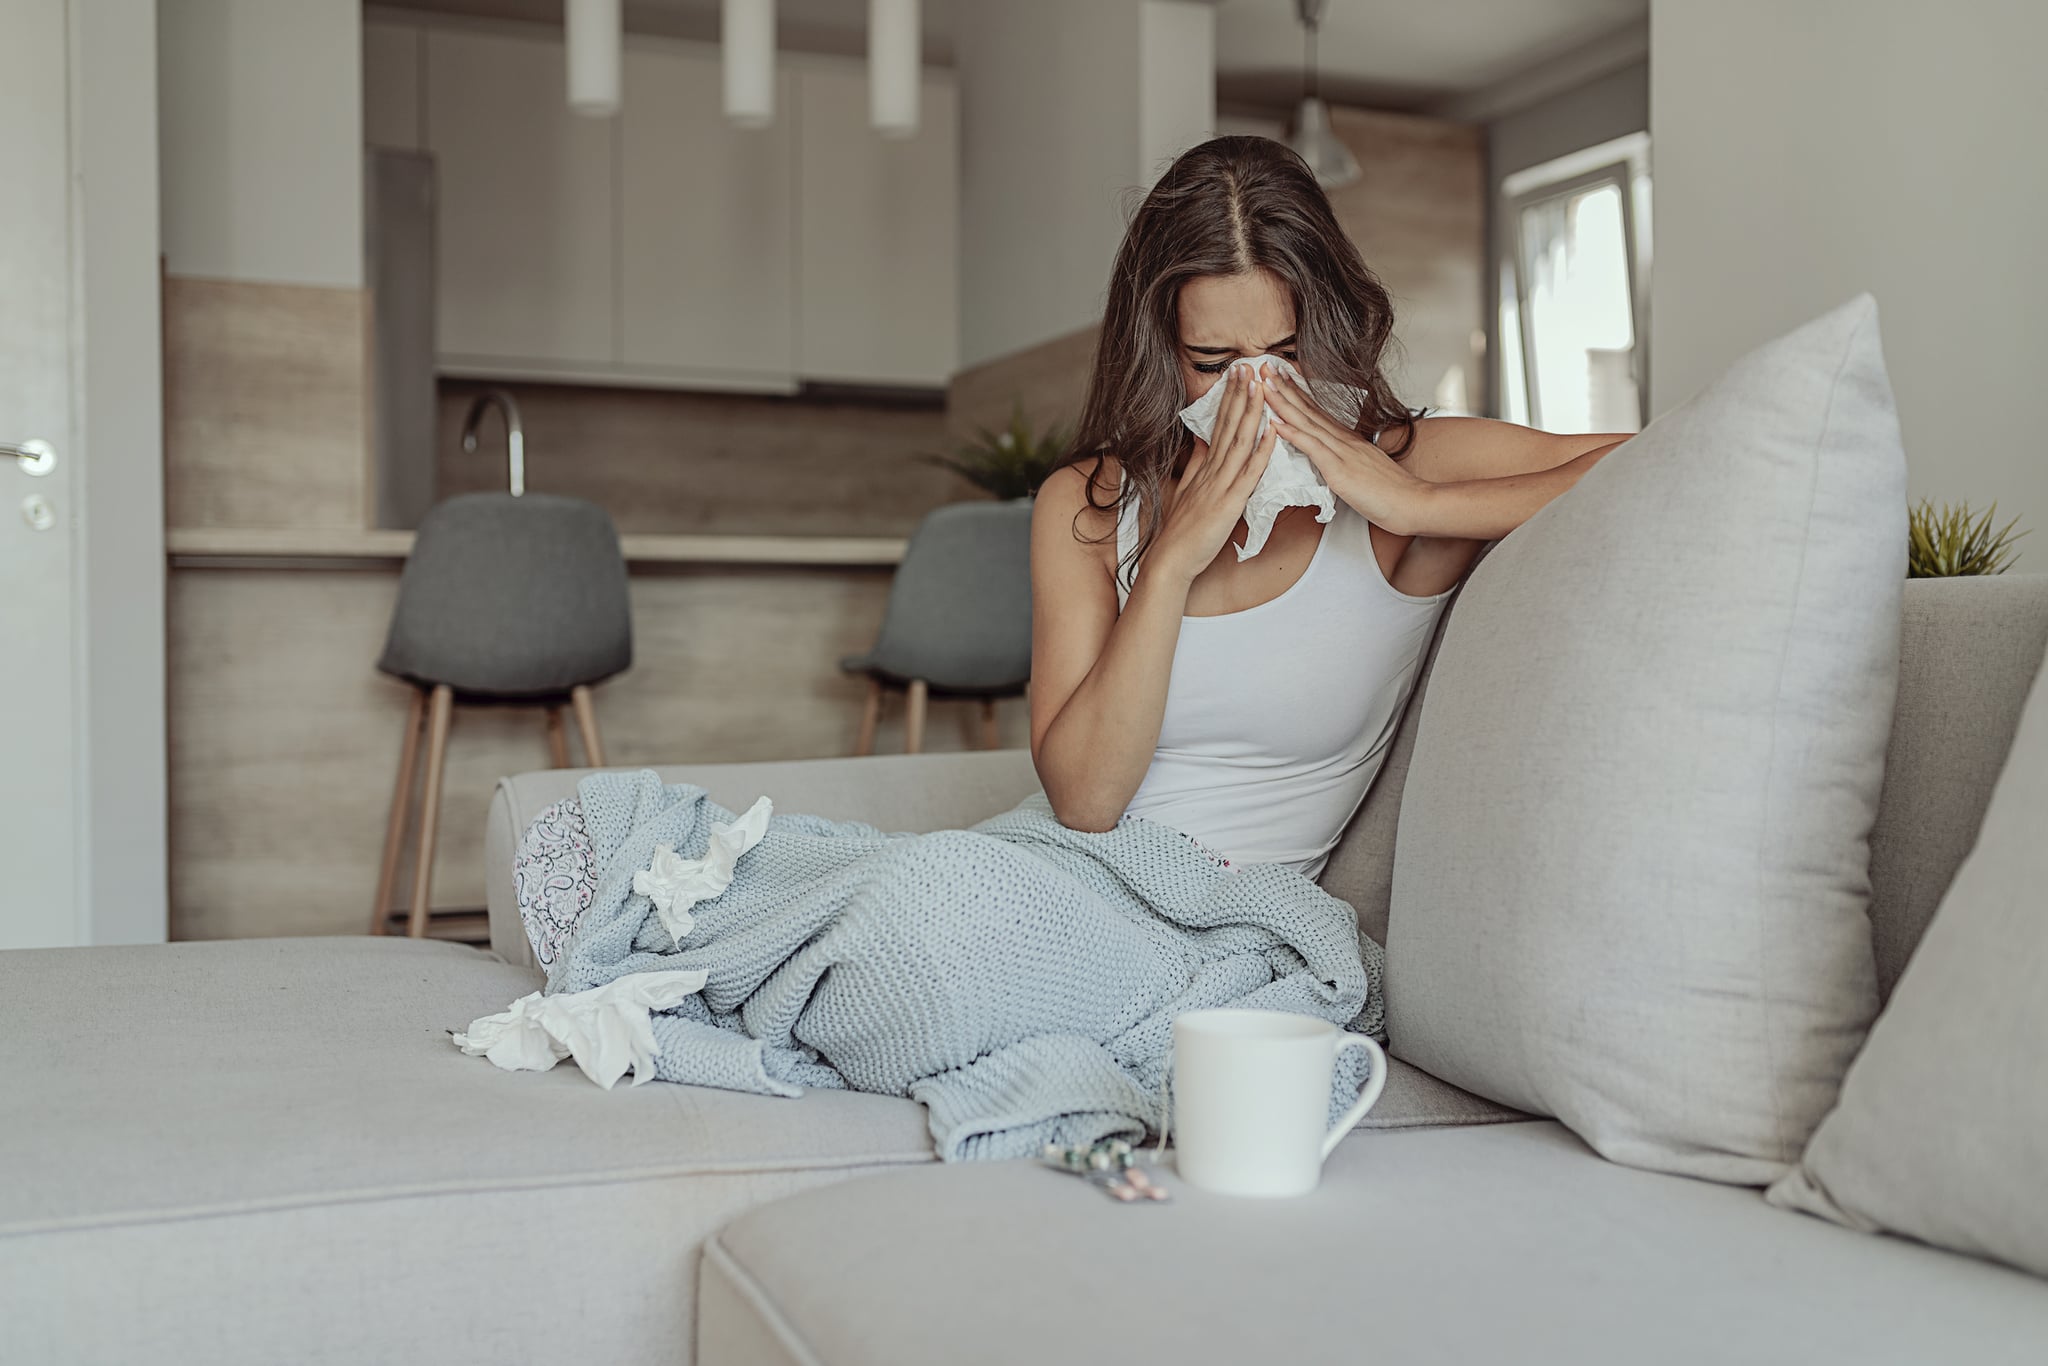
(401, 807)
(586, 725)
(989, 738)
(558, 740)
(870, 717)
(913, 718)
(438, 717)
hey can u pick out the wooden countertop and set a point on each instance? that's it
(297, 547)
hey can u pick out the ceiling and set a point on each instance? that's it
(1430, 55)
(1406, 54)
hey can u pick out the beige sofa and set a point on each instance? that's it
(268, 1150)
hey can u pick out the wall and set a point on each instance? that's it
(1607, 107)
(1887, 145)
(262, 140)
(1068, 109)
(1176, 82)
(266, 392)
(120, 560)
(1417, 213)
(669, 461)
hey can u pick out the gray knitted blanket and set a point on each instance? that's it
(1019, 978)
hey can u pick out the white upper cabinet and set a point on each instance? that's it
(666, 246)
(878, 234)
(524, 263)
(706, 222)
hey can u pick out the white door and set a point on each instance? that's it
(39, 902)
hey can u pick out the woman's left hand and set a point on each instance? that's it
(1372, 482)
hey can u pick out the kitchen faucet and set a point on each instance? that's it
(515, 439)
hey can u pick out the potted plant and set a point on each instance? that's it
(1010, 463)
(1953, 542)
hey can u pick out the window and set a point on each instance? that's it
(1574, 340)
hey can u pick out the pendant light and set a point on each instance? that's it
(1313, 137)
(747, 40)
(894, 61)
(595, 36)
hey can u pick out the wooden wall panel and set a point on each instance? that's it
(1418, 214)
(1049, 379)
(284, 737)
(265, 404)
(676, 462)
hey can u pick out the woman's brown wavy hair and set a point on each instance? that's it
(1226, 207)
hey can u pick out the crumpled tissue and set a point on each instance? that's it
(606, 1029)
(675, 884)
(1290, 478)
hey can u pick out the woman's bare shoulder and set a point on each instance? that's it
(1071, 518)
(1087, 486)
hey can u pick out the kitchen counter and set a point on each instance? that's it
(289, 547)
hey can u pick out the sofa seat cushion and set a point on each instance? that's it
(284, 1122)
(1510, 1242)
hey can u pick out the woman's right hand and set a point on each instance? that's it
(1218, 479)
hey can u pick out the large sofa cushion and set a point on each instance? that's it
(1631, 882)
(1942, 1128)
(1510, 1243)
(268, 1150)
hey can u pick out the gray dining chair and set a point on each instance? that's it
(958, 621)
(506, 599)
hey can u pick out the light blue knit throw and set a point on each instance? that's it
(1018, 977)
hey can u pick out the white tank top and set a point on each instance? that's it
(1278, 716)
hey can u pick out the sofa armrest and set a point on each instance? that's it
(915, 792)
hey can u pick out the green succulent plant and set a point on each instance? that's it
(1010, 463)
(1955, 541)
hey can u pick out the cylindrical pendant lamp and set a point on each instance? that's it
(595, 35)
(894, 66)
(748, 42)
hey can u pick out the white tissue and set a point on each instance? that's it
(1290, 478)
(675, 884)
(605, 1029)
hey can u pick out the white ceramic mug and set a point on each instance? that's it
(1251, 1096)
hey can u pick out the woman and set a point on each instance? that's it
(1249, 703)
(1288, 670)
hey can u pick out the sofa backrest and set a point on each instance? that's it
(1968, 652)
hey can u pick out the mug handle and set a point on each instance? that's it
(1366, 1098)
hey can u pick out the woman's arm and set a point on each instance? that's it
(1479, 478)
(1469, 478)
(1098, 679)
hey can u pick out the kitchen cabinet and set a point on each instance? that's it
(878, 234)
(706, 216)
(666, 247)
(527, 192)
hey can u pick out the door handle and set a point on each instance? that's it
(35, 456)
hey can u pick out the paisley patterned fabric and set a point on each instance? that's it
(553, 874)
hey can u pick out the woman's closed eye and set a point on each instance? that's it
(1218, 367)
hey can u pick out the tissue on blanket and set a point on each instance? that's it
(1290, 478)
(674, 884)
(1019, 978)
(606, 1029)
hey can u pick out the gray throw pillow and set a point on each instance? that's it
(1942, 1129)
(1631, 880)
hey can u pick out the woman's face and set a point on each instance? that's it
(1223, 317)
